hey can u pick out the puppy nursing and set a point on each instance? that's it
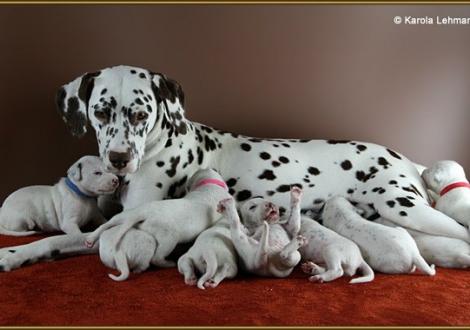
(66, 206)
(265, 245)
(386, 249)
(171, 221)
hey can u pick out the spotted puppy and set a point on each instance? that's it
(173, 221)
(439, 250)
(339, 254)
(263, 242)
(66, 206)
(386, 249)
(447, 181)
(212, 255)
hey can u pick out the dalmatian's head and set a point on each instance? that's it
(124, 105)
(442, 173)
(257, 210)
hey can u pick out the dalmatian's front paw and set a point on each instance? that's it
(226, 205)
(295, 195)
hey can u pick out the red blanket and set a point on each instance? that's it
(77, 291)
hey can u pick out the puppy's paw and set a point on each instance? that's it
(301, 240)
(210, 284)
(190, 281)
(225, 205)
(89, 242)
(316, 278)
(307, 267)
(295, 194)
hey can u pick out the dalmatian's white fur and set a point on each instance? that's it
(266, 245)
(455, 202)
(65, 206)
(386, 249)
(339, 255)
(173, 221)
(143, 134)
(212, 255)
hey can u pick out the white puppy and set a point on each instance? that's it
(265, 248)
(67, 205)
(450, 189)
(338, 253)
(212, 255)
(386, 249)
(173, 221)
(135, 251)
(439, 250)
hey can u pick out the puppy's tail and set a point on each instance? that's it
(4, 231)
(124, 228)
(423, 266)
(121, 265)
(211, 267)
(367, 272)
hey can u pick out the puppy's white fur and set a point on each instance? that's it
(386, 249)
(135, 251)
(339, 254)
(439, 250)
(455, 203)
(52, 208)
(265, 249)
(171, 221)
(212, 255)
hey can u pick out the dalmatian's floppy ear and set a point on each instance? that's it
(72, 102)
(75, 171)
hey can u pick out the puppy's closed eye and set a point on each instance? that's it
(251, 208)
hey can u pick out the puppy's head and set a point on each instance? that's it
(124, 105)
(257, 210)
(443, 173)
(90, 175)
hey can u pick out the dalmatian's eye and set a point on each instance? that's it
(98, 173)
(138, 117)
(101, 116)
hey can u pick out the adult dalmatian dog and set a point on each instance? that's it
(144, 137)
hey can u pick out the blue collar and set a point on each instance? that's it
(72, 186)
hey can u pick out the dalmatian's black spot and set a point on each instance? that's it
(231, 191)
(209, 143)
(231, 182)
(337, 141)
(394, 154)
(255, 140)
(306, 180)
(173, 189)
(392, 182)
(360, 148)
(313, 170)
(160, 163)
(267, 175)
(282, 211)
(283, 188)
(200, 156)
(174, 161)
(383, 162)
(142, 75)
(275, 163)
(391, 203)
(410, 197)
(284, 160)
(404, 202)
(139, 101)
(285, 145)
(103, 91)
(243, 195)
(311, 185)
(55, 253)
(402, 176)
(206, 129)
(12, 251)
(265, 155)
(168, 143)
(275, 145)
(373, 217)
(403, 213)
(133, 72)
(350, 191)
(364, 192)
(378, 190)
(245, 146)
(319, 201)
(270, 192)
(360, 175)
(346, 165)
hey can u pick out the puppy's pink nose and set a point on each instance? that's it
(270, 206)
(115, 182)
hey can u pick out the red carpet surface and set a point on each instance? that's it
(77, 291)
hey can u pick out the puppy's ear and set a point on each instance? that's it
(72, 102)
(75, 172)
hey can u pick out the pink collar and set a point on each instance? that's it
(216, 182)
(454, 185)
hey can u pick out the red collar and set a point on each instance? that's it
(216, 182)
(454, 185)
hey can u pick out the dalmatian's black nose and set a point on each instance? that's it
(119, 159)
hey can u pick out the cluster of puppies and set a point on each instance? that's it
(251, 235)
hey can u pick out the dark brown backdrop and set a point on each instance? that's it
(307, 71)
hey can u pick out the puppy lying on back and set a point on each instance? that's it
(386, 249)
(172, 221)
(66, 206)
(212, 255)
(263, 244)
(439, 250)
(339, 254)
(450, 190)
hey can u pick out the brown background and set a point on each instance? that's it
(306, 71)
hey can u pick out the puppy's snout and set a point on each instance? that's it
(270, 206)
(115, 182)
(120, 159)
